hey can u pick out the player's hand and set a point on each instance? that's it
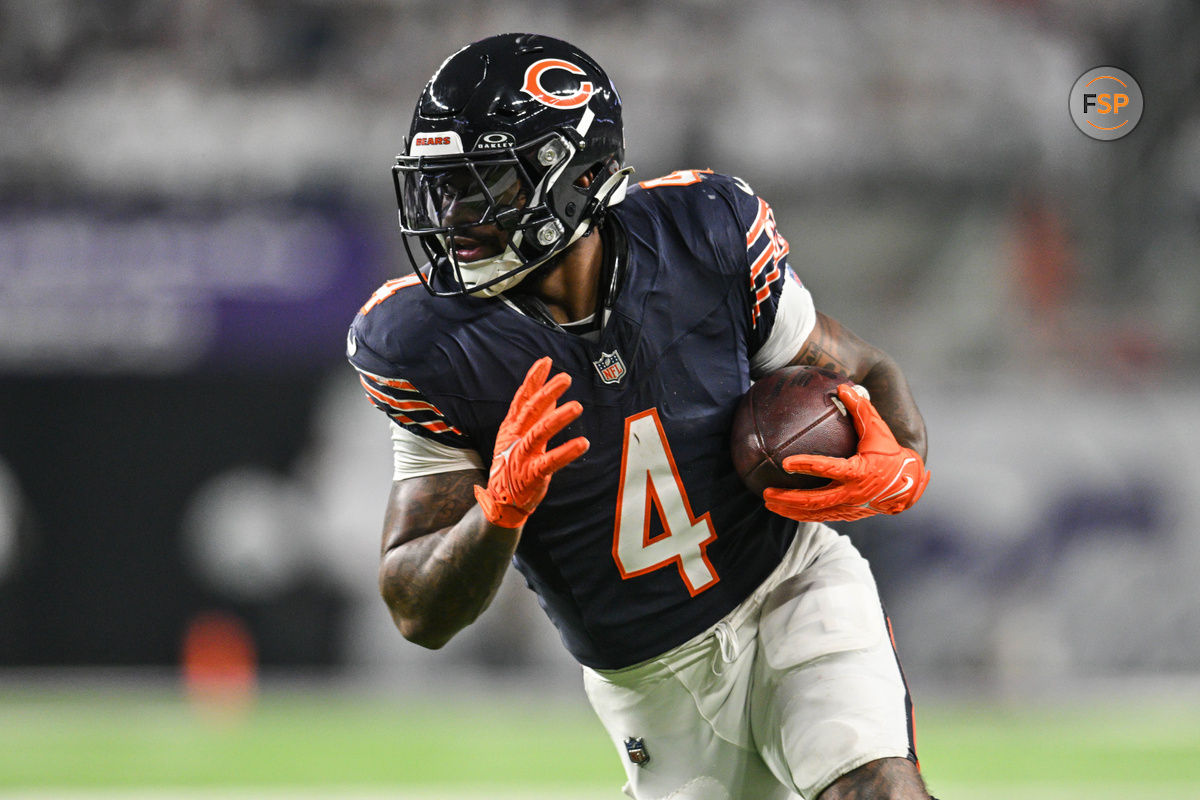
(881, 478)
(521, 465)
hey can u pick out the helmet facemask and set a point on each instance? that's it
(485, 220)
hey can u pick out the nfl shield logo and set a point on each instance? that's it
(610, 366)
(637, 751)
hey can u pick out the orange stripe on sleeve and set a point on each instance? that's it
(391, 383)
(760, 220)
(759, 264)
(436, 426)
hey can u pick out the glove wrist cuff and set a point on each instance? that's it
(497, 513)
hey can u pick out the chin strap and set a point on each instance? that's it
(610, 193)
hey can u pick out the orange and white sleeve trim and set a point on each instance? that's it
(404, 403)
(767, 251)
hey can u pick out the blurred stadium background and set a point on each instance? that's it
(195, 199)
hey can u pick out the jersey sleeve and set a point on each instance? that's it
(768, 269)
(407, 407)
(749, 249)
(383, 349)
(795, 318)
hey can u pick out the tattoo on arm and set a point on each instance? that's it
(824, 348)
(442, 561)
(431, 503)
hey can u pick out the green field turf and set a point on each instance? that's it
(106, 742)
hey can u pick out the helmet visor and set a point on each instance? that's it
(464, 194)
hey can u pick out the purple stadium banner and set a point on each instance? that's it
(161, 290)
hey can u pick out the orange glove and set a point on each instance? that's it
(521, 466)
(881, 478)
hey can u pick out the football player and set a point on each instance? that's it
(562, 368)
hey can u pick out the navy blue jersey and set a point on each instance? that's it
(650, 537)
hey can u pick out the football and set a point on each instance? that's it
(792, 411)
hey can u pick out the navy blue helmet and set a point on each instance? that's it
(514, 153)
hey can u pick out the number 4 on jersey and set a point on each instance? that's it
(650, 482)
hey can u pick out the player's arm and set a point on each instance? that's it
(796, 333)
(442, 560)
(448, 537)
(833, 346)
(887, 474)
